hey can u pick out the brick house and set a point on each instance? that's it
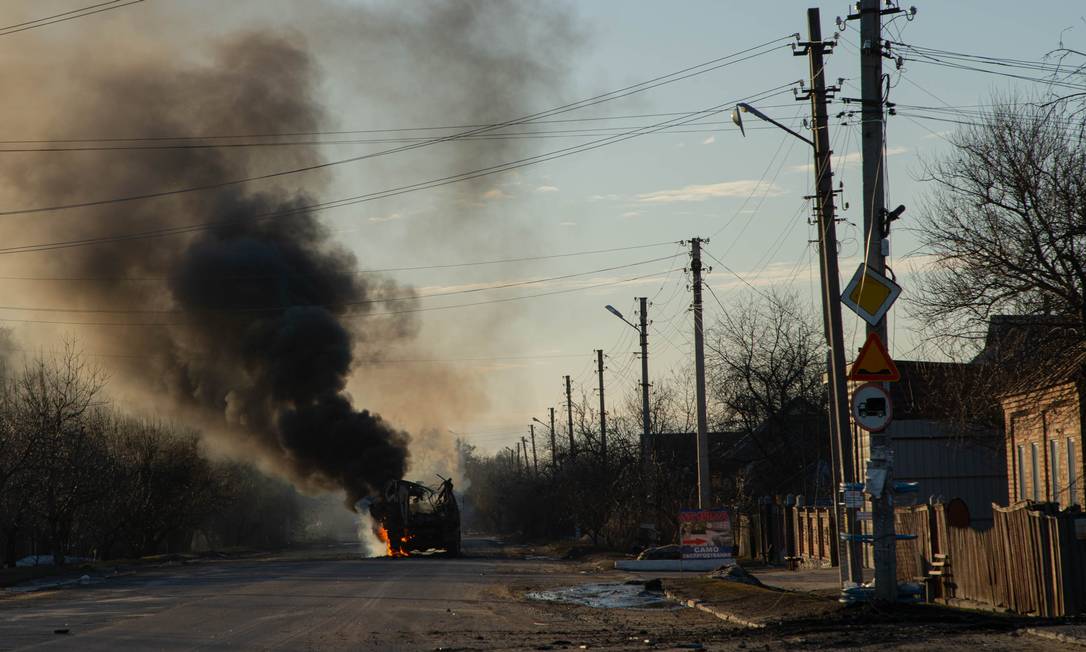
(1043, 417)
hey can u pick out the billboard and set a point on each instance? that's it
(706, 534)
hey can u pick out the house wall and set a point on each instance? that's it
(1044, 458)
(947, 464)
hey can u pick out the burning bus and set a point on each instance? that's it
(415, 517)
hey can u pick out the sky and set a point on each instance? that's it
(631, 201)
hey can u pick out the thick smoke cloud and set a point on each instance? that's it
(261, 322)
(249, 326)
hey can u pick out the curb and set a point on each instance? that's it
(723, 615)
(1054, 636)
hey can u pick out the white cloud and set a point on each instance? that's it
(631, 214)
(494, 193)
(567, 224)
(547, 189)
(611, 197)
(852, 158)
(708, 191)
(386, 218)
(709, 141)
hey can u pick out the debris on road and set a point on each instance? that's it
(735, 573)
(606, 596)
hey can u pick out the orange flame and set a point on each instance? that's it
(399, 550)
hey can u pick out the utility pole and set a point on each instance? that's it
(874, 203)
(814, 48)
(646, 424)
(535, 460)
(569, 415)
(524, 446)
(554, 446)
(520, 469)
(704, 487)
(603, 409)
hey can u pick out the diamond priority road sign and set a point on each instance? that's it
(870, 294)
(871, 407)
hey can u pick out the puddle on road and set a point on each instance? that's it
(606, 596)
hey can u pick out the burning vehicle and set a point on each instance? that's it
(415, 517)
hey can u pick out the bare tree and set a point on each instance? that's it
(1006, 222)
(765, 365)
(55, 399)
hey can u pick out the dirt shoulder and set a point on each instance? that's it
(749, 605)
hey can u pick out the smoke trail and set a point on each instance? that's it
(264, 319)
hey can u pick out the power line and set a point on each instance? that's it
(65, 16)
(339, 304)
(162, 143)
(387, 313)
(477, 263)
(425, 185)
(685, 73)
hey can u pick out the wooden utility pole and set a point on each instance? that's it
(603, 408)
(814, 48)
(535, 460)
(704, 486)
(554, 445)
(646, 424)
(569, 415)
(874, 205)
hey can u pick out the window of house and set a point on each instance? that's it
(1036, 463)
(1021, 472)
(1054, 470)
(1072, 473)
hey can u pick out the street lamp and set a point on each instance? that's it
(831, 292)
(743, 107)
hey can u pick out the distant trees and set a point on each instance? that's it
(1006, 221)
(78, 478)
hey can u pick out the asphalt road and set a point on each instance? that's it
(321, 604)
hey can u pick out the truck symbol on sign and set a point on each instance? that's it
(873, 407)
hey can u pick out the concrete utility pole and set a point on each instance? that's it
(569, 415)
(704, 487)
(554, 445)
(603, 408)
(814, 48)
(646, 424)
(520, 469)
(874, 203)
(535, 460)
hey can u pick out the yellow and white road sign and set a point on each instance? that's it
(870, 294)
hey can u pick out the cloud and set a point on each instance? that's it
(852, 158)
(937, 134)
(567, 224)
(494, 193)
(386, 218)
(631, 214)
(611, 197)
(708, 191)
(547, 189)
(709, 141)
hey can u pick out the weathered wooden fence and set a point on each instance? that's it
(815, 529)
(1030, 562)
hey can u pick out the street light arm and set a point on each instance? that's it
(743, 106)
(616, 313)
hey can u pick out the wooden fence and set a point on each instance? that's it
(1030, 562)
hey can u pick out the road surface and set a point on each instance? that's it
(332, 604)
(335, 601)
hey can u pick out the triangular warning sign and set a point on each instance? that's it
(874, 362)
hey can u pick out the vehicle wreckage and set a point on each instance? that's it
(414, 517)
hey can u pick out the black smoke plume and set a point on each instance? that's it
(249, 325)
